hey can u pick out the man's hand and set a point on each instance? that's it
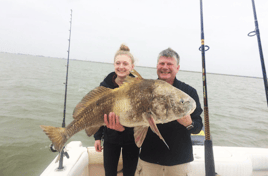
(185, 121)
(98, 146)
(113, 122)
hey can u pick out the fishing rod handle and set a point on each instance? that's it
(207, 128)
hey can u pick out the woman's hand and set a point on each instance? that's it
(113, 122)
(98, 146)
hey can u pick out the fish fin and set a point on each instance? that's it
(130, 79)
(140, 133)
(92, 96)
(136, 74)
(58, 158)
(91, 130)
(154, 128)
(57, 135)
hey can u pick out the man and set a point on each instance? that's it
(155, 158)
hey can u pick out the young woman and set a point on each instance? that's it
(116, 136)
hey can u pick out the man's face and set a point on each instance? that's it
(167, 69)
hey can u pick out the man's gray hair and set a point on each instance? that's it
(169, 53)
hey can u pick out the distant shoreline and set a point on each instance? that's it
(136, 66)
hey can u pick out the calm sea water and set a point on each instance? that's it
(32, 94)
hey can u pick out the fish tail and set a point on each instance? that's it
(57, 136)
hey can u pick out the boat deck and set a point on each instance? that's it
(260, 173)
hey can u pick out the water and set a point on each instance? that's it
(32, 94)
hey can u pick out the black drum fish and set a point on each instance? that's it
(138, 102)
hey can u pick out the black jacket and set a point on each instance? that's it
(110, 135)
(178, 138)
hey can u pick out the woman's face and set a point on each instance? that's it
(123, 65)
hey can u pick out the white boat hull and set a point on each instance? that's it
(229, 161)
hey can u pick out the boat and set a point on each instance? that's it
(229, 161)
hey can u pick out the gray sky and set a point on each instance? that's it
(41, 27)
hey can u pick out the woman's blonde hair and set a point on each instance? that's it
(124, 50)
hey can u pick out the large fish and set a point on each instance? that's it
(139, 102)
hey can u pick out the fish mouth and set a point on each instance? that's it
(189, 107)
(192, 108)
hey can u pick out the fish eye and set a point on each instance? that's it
(182, 101)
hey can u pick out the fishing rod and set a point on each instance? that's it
(209, 159)
(65, 97)
(257, 32)
(66, 83)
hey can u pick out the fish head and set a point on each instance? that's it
(170, 103)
